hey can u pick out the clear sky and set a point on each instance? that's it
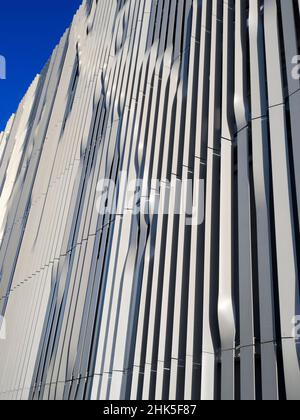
(29, 31)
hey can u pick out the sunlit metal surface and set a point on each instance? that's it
(126, 306)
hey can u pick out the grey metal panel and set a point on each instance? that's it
(288, 280)
(262, 184)
(246, 304)
(226, 309)
(291, 52)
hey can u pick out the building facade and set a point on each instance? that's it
(147, 299)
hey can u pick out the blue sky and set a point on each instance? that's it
(29, 31)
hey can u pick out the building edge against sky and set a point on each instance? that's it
(143, 304)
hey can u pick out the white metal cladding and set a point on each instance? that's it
(135, 307)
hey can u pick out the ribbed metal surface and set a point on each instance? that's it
(126, 306)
